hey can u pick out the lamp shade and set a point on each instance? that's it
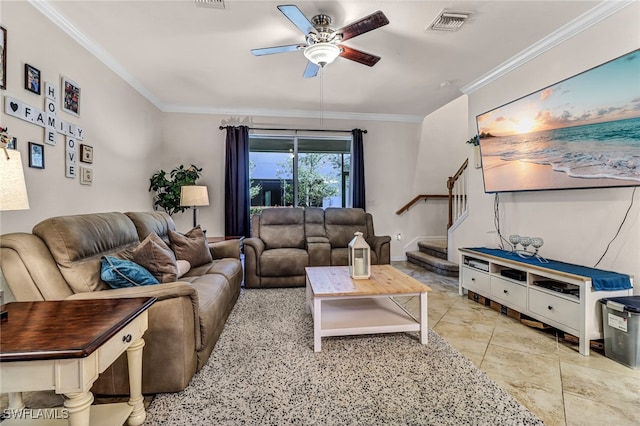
(13, 190)
(194, 195)
(322, 53)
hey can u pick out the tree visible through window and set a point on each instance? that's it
(297, 171)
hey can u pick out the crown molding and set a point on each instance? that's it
(48, 10)
(600, 12)
(45, 7)
(294, 113)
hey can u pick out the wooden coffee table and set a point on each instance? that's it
(64, 346)
(342, 306)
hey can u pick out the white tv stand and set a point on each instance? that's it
(579, 315)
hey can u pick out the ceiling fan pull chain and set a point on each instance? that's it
(321, 97)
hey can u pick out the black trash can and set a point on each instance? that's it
(621, 326)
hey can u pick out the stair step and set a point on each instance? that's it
(433, 263)
(436, 248)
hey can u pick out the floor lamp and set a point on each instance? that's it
(13, 191)
(194, 196)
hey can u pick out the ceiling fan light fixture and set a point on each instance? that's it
(322, 53)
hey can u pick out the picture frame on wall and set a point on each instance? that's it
(36, 155)
(13, 143)
(32, 79)
(3, 58)
(86, 153)
(86, 176)
(70, 96)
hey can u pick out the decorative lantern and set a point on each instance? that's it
(359, 258)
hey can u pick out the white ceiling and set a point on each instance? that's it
(188, 58)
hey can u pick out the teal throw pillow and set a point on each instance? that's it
(119, 273)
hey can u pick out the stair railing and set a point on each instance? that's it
(457, 186)
(457, 196)
(417, 198)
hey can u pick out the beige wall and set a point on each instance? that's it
(441, 152)
(132, 139)
(576, 225)
(390, 162)
(120, 124)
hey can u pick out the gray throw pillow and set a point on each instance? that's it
(191, 246)
(156, 256)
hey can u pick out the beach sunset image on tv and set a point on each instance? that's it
(582, 132)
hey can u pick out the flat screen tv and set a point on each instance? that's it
(583, 132)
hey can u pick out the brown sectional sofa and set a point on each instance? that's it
(61, 260)
(286, 240)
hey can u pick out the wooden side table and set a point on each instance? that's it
(64, 345)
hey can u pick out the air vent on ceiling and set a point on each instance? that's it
(449, 20)
(215, 4)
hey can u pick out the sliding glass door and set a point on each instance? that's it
(300, 171)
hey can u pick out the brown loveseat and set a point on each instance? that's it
(61, 259)
(286, 240)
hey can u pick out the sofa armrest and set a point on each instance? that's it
(381, 245)
(172, 340)
(256, 244)
(170, 292)
(253, 249)
(225, 249)
(159, 291)
(29, 269)
(319, 250)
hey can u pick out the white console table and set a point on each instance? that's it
(579, 315)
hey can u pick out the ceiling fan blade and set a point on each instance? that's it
(359, 56)
(277, 49)
(311, 70)
(366, 24)
(297, 18)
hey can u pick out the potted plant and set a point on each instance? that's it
(167, 190)
(475, 142)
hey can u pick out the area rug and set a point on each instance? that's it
(263, 371)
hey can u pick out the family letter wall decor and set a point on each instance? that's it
(69, 96)
(26, 112)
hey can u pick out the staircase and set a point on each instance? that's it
(432, 255)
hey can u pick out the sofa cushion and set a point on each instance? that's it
(227, 267)
(342, 223)
(283, 262)
(120, 273)
(191, 246)
(282, 228)
(77, 244)
(183, 268)
(157, 258)
(314, 222)
(148, 222)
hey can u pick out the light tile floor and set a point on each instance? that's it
(542, 371)
(547, 375)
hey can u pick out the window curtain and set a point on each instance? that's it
(236, 182)
(357, 170)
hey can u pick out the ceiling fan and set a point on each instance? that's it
(323, 42)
